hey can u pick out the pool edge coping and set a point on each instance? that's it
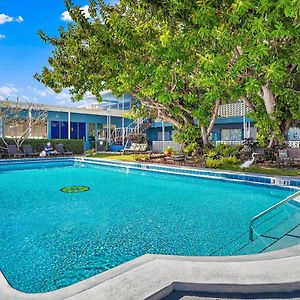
(227, 269)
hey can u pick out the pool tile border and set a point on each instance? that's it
(237, 177)
(187, 171)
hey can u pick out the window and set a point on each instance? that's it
(15, 128)
(160, 136)
(294, 134)
(231, 134)
(39, 130)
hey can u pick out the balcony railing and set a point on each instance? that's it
(233, 110)
(289, 144)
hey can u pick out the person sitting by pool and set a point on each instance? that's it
(48, 150)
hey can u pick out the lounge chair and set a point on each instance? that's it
(137, 148)
(61, 150)
(27, 149)
(288, 155)
(3, 153)
(179, 158)
(13, 152)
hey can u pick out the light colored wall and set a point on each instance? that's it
(159, 146)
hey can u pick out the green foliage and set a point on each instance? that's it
(179, 57)
(222, 150)
(139, 139)
(221, 162)
(169, 151)
(136, 112)
(91, 152)
(190, 136)
(39, 144)
(192, 147)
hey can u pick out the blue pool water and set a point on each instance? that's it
(51, 239)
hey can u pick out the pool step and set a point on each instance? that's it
(284, 227)
(275, 238)
(280, 223)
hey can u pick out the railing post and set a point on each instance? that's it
(251, 238)
(263, 213)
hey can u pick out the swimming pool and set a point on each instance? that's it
(52, 239)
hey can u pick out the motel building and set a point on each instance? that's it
(105, 121)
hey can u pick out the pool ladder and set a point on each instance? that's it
(268, 210)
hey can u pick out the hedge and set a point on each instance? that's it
(77, 146)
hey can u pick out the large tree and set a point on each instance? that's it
(184, 58)
(133, 49)
(265, 63)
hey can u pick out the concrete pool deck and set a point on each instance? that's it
(266, 275)
(156, 276)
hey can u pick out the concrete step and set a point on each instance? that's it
(234, 246)
(284, 227)
(278, 237)
(255, 246)
(285, 242)
(268, 232)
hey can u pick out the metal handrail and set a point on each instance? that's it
(263, 213)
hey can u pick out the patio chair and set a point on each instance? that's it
(3, 153)
(13, 152)
(27, 149)
(137, 149)
(289, 156)
(179, 158)
(61, 150)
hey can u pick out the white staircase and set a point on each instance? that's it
(122, 135)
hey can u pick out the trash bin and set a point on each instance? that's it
(101, 145)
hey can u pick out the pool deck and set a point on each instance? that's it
(157, 276)
(265, 275)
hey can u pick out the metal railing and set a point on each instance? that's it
(263, 213)
(134, 128)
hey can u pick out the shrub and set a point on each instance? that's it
(221, 162)
(38, 145)
(169, 151)
(90, 152)
(190, 148)
(222, 150)
(139, 139)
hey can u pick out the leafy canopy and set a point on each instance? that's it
(183, 58)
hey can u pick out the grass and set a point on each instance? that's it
(120, 157)
(283, 171)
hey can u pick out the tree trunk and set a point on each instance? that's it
(204, 136)
(206, 131)
(270, 103)
(271, 141)
(269, 100)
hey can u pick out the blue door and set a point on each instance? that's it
(74, 130)
(63, 130)
(54, 130)
(81, 130)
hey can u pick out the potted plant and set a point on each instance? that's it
(91, 152)
(169, 151)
